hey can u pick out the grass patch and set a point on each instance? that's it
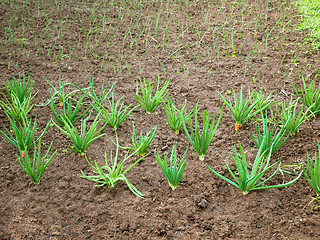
(310, 10)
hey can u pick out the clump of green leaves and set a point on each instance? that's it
(174, 171)
(201, 140)
(313, 168)
(82, 140)
(246, 181)
(69, 111)
(264, 102)
(244, 109)
(290, 117)
(176, 117)
(141, 144)
(309, 96)
(35, 167)
(20, 88)
(23, 135)
(146, 101)
(104, 93)
(275, 138)
(114, 172)
(17, 105)
(62, 93)
(117, 113)
(16, 110)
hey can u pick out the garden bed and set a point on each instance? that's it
(201, 48)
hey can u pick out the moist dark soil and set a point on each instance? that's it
(65, 206)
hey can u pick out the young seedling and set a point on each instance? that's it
(246, 181)
(269, 138)
(309, 97)
(81, 141)
(104, 93)
(174, 172)
(114, 172)
(16, 110)
(264, 102)
(140, 145)
(116, 115)
(242, 110)
(201, 141)
(146, 101)
(291, 118)
(61, 94)
(313, 177)
(38, 166)
(176, 117)
(23, 135)
(20, 88)
(69, 111)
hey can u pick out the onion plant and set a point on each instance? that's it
(23, 135)
(110, 175)
(313, 168)
(146, 101)
(16, 110)
(274, 137)
(104, 93)
(174, 172)
(117, 113)
(246, 181)
(20, 88)
(35, 167)
(264, 101)
(201, 141)
(176, 117)
(290, 117)
(242, 110)
(69, 111)
(141, 144)
(82, 140)
(309, 96)
(61, 93)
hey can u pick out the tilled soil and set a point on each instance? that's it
(65, 206)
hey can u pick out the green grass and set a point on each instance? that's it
(310, 10)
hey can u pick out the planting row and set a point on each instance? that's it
(279, 121)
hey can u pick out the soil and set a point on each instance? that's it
(65, 206)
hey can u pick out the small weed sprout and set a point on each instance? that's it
(201, 141)
(176, 117)
(174, 172)
(146, 101)
(114, 172)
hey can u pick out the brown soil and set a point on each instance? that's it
(65, 206)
